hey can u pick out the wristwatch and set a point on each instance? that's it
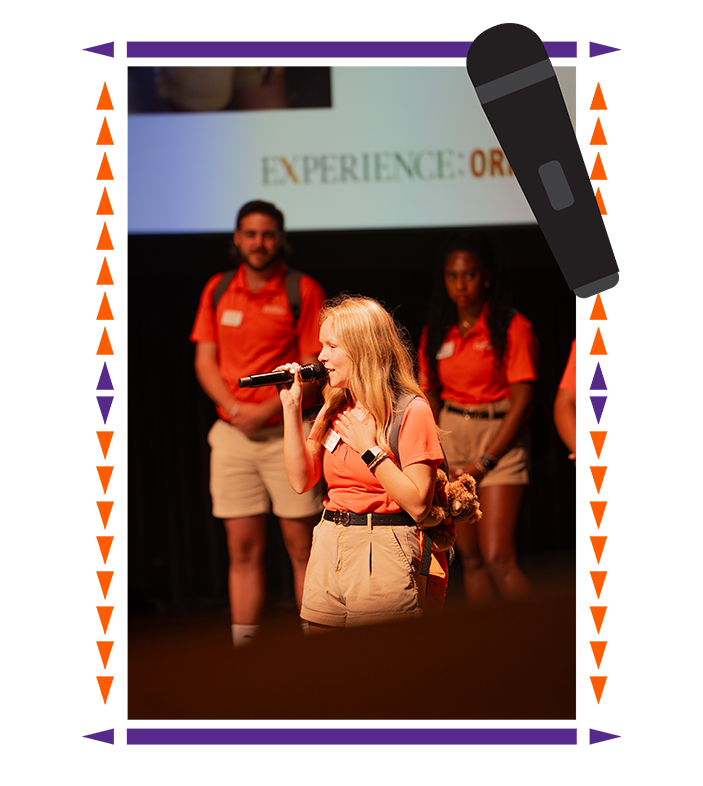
(488, 462)
(368, 456)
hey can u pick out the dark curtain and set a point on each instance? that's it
(177, 551)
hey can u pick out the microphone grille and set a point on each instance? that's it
(313, 372)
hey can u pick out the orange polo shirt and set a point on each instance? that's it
(466, 367)
(575, 372)
(350, 483)
(255, 331)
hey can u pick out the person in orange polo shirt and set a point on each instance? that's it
(477, 363)
(565, 404)
(366, 564)
(252, 330)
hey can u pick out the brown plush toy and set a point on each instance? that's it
(456, 499)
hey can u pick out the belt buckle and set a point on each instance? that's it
(342, 517)
(468, 413)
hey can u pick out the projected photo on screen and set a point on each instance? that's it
(226, 88)
(397, 148)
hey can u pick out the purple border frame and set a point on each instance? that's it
(104, 46)
(107, 731)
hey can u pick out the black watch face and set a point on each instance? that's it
(367, 457)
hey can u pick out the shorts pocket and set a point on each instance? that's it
(404, 541)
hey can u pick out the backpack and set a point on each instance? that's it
(402, 403)
(292, 289)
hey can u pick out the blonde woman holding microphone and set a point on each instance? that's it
(366, 554)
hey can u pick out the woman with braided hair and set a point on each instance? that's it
(478, 367)
(367, 550)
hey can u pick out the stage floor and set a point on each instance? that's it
(503, 661)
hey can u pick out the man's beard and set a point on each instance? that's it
(272, 261)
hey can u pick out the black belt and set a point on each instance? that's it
(475, 414)
(347, 518)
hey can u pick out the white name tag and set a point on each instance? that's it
(231, 318)
(445, 351)
(331, 440)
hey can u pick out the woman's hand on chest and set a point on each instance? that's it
(358, 433)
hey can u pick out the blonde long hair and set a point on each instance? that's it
(381, 362)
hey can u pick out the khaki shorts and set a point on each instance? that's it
(468, 439)
(248, 476)
(359, 575)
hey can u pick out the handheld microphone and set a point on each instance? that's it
(519, 93)
(313, 372)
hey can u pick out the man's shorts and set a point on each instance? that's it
(468, 439)
(248, 476)
(359, 575)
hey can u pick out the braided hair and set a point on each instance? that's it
(442, 313)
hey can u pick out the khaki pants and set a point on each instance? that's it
(468, 439)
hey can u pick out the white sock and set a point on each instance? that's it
(243, 634)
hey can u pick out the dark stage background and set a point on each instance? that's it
(177, 551)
